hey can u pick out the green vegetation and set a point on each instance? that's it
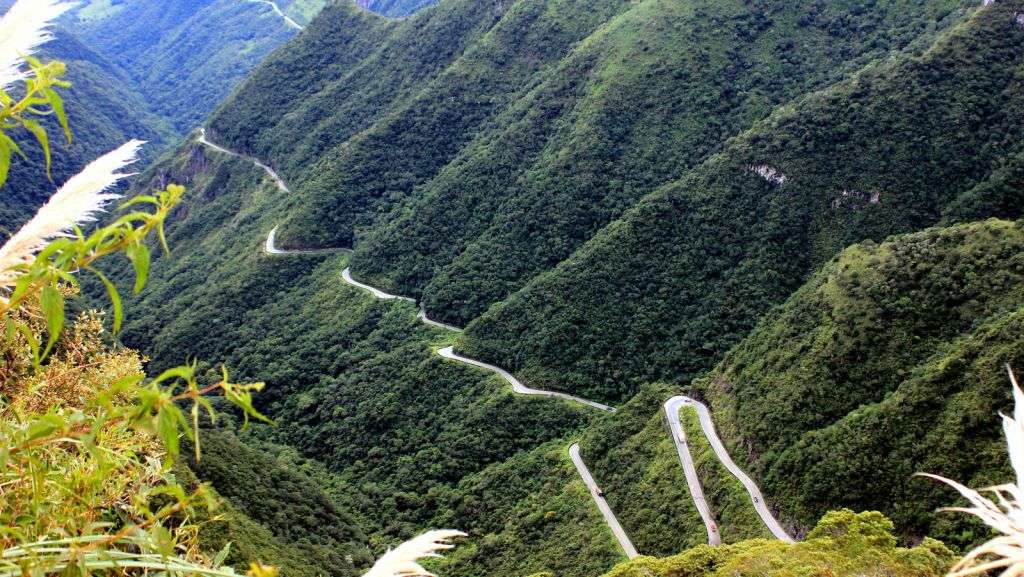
(396, 8)
(274, 514)
(203, 50)
(894, 349)
(664, 292)
(657, 178)
(844, 544)
(647, 96)
(395, 435)
(729, 501)
(531, 513)
(87, 441)
(632, 457)
(104, 112)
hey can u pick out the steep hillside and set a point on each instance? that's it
(895, 351)
(395, 8)
(889, 361)
(665, 291)
(104, 112)
(274, 514)
(398, 435)
(384, 123)
(468, 148)
(646, 97)
(203, 48)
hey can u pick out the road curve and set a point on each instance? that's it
(517, 385)
(427, 320)
(346, 275)
(707, 425)
(672, 406)
(279, 12)
(270, 171)
(602, 504)
(270, 247)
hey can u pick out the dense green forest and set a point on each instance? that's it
(273, 513)
(920, 326)
(624, 200)
(395, 8)
(104, 112)
(204, 48)
(398, 437)
(667, 290)
(649, 95)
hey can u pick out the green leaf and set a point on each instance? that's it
(115, 299)
(57, 103)
(39, 132)
(183, 372)
(167, 428)
(43, 427)
(52, 303)
(222, 556)
(140, 257)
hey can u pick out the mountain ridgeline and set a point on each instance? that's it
(903, 145)
(802, 213)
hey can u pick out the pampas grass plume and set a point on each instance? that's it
(1003, 512)
(403, 561)
(22, 30)
(77, 202)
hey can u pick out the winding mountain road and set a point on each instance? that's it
(270, 171)
(672, 406)
(598, 496)
(279, 12)
(270, 247)
(517, 385)
(707, 425)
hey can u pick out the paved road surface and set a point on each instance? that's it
(672, 407)
(279, 12)
(271, 247)
(270, 171)
(595, 493)
(427, 320)
(346, 275)
(517, 385)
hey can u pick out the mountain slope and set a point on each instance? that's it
(364, 117)
(354, 383)
(665, 291)
(104, 112)
(896, 350)
(203, 49)
(395, 8)
(275, 514)
(646, 97)
(889, 361)
(437, 78)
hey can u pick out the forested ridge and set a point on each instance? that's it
(396, 435)
(667, 290)
(774, 207)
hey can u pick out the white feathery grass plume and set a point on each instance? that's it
(22, 30)
(402, 561)
(77, 202)
(1004, 512)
